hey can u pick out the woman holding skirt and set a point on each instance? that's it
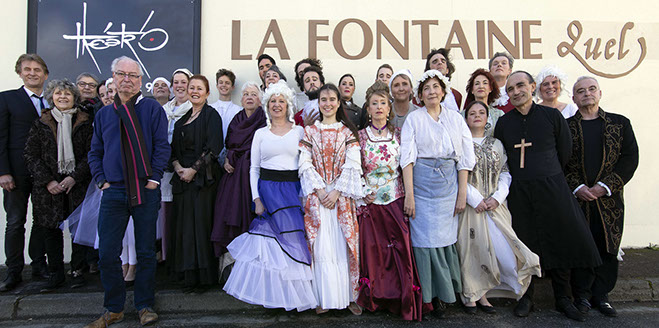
(273, 263)
(493, 261)
(436, 155)
(330, 174)
(388, 273)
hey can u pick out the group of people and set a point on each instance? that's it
(306, 200)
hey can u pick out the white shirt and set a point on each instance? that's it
(310, 108)
(273, 152)
(569, 110)
(423, 137)
(503, 98)
(450, 102)
(227, 111)
(300, 99)
(35, 101)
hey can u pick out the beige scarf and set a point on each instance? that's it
(66, 161)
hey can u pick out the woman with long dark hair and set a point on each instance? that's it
(330, 174)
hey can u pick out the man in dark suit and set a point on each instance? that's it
(18, 110)
(604, 158)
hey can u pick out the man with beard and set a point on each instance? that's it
(300, 97)
(545, 214)
(312, 79)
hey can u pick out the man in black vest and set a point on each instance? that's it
(18, 110)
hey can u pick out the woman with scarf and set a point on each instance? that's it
(175, 109)
(233, 205)
(196, 143)
(56, 157)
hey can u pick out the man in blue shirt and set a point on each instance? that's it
(128, 155)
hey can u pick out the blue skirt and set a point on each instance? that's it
(283, 219)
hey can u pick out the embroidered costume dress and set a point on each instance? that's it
(493, 260)
(437, 150)
(389, 279)
(329, 160)
(273, 263)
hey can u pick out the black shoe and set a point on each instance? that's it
(582, 305)
(55, 281)
(439, 308)
(524, 307)
(40, 272)
(10, 282)
(606, 309)
(470, 309)
(93, 268)
(78, 279)
(489, 309)
(565, 306)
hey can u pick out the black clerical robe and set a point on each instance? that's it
(545, 214)
(614, 166)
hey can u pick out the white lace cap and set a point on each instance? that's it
(430, 74)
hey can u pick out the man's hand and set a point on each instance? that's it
(597, 191)
(584, 194)
(151, 185)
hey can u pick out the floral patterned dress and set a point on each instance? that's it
(388, 273)
(330, 160)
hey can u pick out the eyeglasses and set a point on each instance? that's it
(122, 75)
(86, 85)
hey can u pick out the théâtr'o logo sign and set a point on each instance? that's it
(582, 46)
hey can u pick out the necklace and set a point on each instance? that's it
(379, 130)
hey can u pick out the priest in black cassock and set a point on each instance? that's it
(545, 213)
(604, 158)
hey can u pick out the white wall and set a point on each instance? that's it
(627, 95)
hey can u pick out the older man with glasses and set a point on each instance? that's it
(128, 167)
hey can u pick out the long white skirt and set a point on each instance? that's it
(505, 257)
(331, 277)
(264, 275)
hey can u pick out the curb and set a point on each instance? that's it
(25, 307)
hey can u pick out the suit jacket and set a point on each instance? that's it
(619, 162)
(17, 113)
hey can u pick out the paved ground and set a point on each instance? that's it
(636, 297)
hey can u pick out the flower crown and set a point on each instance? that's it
(430, 74)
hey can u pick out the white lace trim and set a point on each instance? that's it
(310, 180)
(350, 181)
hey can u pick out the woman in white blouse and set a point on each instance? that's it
(436, 156)
(272, 265)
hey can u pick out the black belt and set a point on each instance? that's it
(279, 176)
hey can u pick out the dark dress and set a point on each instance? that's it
(233, 205)
(190, 254)
(545, 214)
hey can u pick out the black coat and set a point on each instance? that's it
(41, 161)
(17, 113)
(619, 162)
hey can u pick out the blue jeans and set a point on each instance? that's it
(112, 220)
